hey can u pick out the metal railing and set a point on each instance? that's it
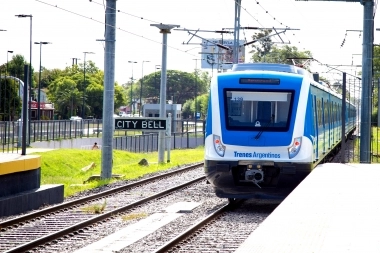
(185, 134)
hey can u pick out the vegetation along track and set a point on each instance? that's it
(35, 229)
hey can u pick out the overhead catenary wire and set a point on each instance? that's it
(117, 28)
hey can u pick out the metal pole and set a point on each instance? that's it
(24, 110)
(142, 80)
(29, 84)
(236, 31)
(39, 88)
(84, 82)
(5, 88)
(39, 81)
(132, 111)
(109, 89)
(343, 114)
(164, 29)
(378, 102)
(155, 80)
(365, 129)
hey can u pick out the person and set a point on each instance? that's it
(95, 146)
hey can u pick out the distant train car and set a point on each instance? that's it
(267, 127)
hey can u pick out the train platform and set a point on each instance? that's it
(20, 181)
(335, 209)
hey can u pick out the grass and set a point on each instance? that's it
(64, 166)
(95, 208)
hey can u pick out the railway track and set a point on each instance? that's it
(39, 228)
(224, 230)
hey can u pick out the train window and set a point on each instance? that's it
(326, 112)
(319, 112)
(248, 110)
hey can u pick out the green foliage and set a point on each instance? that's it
(75, 92)
(376, 77)
(181, 86)
(56, 168)
(16, 68)
(95, 208)
(264, 50)
(10, 102)
(262, 46)
(284, 55)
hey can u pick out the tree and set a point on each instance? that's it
(10, 104)
(16, 67)
(180, 86)
(85, 96)
(376, 78)
(285, 54)
(262, 45)
(66, 96)
(264, 50)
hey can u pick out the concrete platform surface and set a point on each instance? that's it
(335, 209)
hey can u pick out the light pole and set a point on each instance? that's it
(195, 90)
(142, 80)
(165, 30)
(156, 67)
(5, 88)
(132, 62)
(75, 61)
(39, 80)
(30, 71)
(1, 30)
(84, 80)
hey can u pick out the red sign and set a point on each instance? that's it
(34, 105)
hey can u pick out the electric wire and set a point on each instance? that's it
(118, 28)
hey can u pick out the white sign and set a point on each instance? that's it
(216, 57)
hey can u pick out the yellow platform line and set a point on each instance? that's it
(18, 163)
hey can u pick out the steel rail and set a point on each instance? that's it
(187, 233)
(41, 241)
(13, 222)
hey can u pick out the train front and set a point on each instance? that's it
(255, 143)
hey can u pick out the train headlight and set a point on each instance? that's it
(295, 148)
(219, 147)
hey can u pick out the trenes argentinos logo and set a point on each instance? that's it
(256, 155)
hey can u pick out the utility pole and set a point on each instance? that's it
(109, 89)
(132, 110)
(39, 80)
(84, 81)
(141, 86)
(236, 31)
(367, 55)
(164, 29)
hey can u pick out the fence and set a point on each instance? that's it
(185, 134)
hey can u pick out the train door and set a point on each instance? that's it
(329, 109)
(315, 140)
(323, 127)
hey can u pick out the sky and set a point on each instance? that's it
(330, 30)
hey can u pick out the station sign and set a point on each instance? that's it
(151, 124)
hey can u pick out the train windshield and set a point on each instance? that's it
(258, 110)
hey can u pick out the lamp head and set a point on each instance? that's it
(23, 16)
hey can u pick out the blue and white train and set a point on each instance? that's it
(267, 127)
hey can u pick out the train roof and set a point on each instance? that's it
(278, 67)
(271, 67)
